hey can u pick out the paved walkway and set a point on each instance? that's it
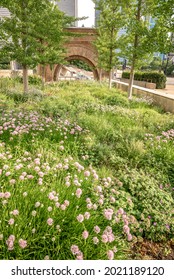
(169, 87)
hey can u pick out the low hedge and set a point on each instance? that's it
(152, 77)
(33, 80)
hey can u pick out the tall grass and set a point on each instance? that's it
(86, 170)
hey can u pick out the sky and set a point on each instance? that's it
(86, 8)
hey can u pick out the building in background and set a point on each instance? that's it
(69, 7)
(97, 15)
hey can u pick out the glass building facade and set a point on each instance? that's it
(70, 7)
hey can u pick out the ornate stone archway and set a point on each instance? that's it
(79, 47)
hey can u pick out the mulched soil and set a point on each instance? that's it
(148, 250)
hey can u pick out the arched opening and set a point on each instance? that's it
(61, 70)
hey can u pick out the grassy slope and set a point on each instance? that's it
(121, 143)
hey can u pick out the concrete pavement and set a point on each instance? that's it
(169, 87)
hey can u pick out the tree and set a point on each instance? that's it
(50, 41)
(17, 33)
(33, 34)
(154, 65)
(164, 13)
(112, 18)
(138, 44)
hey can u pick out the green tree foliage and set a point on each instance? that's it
(164, 13)
(170, 69)
(4, 62)
(81, 64)
(17, 33)
(112, 18)
(138, 43)
(158, 64)
(154, 65)
(50, 49)
(33, 34)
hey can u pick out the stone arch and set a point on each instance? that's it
(58, 67)
(79, 47)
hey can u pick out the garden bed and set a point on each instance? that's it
(87, 171)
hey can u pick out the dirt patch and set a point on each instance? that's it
(148, 250)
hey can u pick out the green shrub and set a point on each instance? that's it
(4, 63)
(4, 66)
(153, 77)
(117, 100)
(6, 83)
(17, 95)
(153, 205)
(170, 70)
(33, 80)
(54, 106)
(117, 135)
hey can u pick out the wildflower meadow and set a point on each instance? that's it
(84, 174)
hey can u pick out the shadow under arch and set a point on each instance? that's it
(58, 67)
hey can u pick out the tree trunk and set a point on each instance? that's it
(25, 79)
(100, 76)
(131, 81)
(166, 66)
(111, 59)
(135, 47)
(43, 76)
(110, 79)
(52, 74)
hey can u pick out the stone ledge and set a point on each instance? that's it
(141, 83)
(13, 73)
(164, 100)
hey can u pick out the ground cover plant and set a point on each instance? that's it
(84, 174)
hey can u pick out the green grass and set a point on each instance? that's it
(126, 146)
